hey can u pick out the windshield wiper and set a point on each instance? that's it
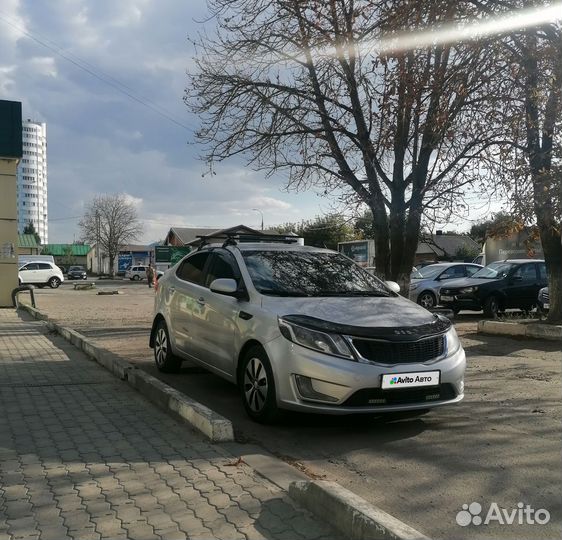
(353, 293)
(275, 292)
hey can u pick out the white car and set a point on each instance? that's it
(41, 273)
(135, 273)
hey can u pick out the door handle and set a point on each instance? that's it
(201, 301)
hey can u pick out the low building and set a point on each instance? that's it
(132, 255)
(68, 254)
(187, 236)
(447, 247)
(27, 245)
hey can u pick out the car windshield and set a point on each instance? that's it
(429, 272)
(305, 273)
(496, 270)
(76, 268)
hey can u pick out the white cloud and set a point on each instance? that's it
(43, 65)
(102, 141)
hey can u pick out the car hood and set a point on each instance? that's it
(366, 312)
(465, 282)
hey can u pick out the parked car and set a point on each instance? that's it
(135, 273)
(426, 282)
(76, 272)
(304, 328)
(41, 274)
(543, 300)
(499, 286)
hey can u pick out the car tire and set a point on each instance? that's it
(135, 277)
(492, 306)
(166, 360)
(257, 387)
(427, 300)
(54, 282)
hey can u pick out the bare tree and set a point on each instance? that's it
(301, 86)
(111, 221)
(531, 161)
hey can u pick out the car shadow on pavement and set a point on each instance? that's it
(475, 343)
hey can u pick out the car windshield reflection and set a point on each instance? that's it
(292, 273)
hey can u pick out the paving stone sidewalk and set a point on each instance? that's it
(84, 456)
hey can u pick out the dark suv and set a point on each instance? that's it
(499, 286)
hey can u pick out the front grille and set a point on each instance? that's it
(401, 352)
(369, 397)
(545, 296)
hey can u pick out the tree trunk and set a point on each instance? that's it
(111, 265)
(555, 293)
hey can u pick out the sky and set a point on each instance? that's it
(101, 140)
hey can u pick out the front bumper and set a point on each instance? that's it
(356, 387)
(461, 301)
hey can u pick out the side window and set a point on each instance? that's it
(542, 272)
(223, 265)
(192, 268)
(470, 270)
(526, 272)
(31, 266)
(44, 266)
(453, 272)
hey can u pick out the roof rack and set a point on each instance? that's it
(232, 239)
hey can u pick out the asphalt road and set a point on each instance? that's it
(501, 445)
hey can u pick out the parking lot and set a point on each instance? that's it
(501, 445)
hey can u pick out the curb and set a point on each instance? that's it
(532, 330)
(349, 513)
(214, 426)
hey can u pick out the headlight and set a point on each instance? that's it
(313, 339)
(453, 342)
(468, 290)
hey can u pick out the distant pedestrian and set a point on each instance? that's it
(150, 275)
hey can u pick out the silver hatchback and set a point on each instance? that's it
(303, 328)
(427, 281)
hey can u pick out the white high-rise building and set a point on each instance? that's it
(32, 180)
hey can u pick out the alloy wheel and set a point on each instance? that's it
(161, 346)
(426, 300)
(255, 384)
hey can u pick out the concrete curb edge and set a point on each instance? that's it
(532, 330)
(214, 426)
(349, 513)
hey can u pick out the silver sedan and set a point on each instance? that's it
(303, 328)
(426, 282)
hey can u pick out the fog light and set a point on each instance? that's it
(306, 390)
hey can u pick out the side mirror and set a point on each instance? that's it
(224, 286)
(393, 286)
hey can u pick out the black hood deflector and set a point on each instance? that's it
(392, 333)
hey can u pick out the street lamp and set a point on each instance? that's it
(261, 213)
